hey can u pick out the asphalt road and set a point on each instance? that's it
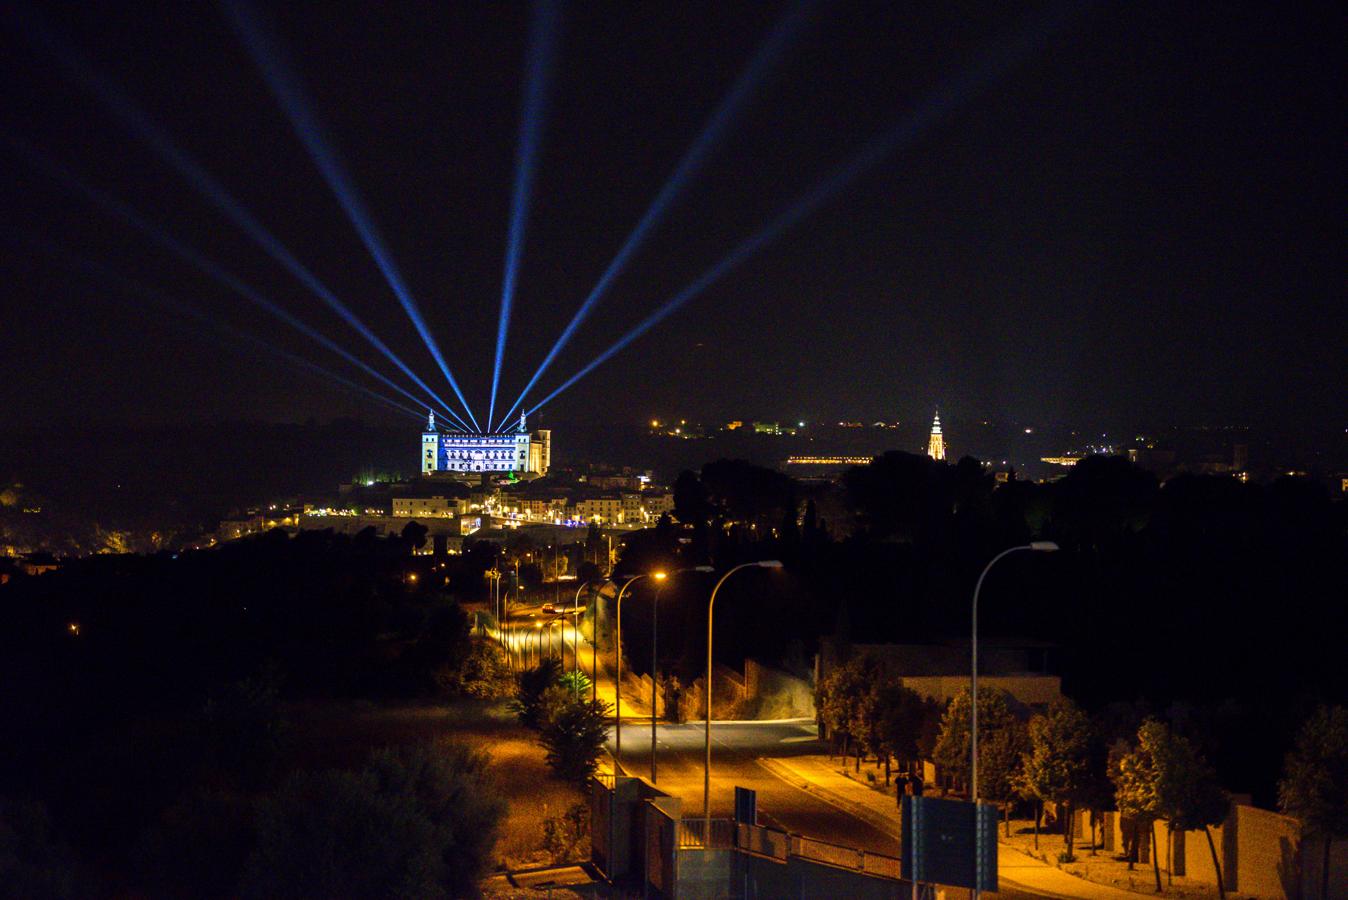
(737, 748)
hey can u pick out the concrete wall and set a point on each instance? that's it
(1261, 854)
(761, 692)
(1032, 690)
(1267, 861)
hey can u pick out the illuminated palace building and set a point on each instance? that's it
(461, 452)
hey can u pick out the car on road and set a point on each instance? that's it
(550, 608)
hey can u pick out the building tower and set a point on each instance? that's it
(430, 446)
(936, 443)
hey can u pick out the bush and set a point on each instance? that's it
(336, 834)
(573, 731)
(32, 864)
(485, 674)
(199, 847)
(416, 822)
(451, 785)
(533, 684)
(243, 727)
(564, 835)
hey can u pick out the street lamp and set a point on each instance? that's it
(1038, 547)
(618, 678)
(576, 636)
(655, 681)
(618, 656)
(706, 692)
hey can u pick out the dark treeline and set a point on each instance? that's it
(1207, 600)
(147, 742)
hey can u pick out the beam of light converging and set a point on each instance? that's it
(176, 306)
(940, 103)
(119, 105)
(537, 66)
(772, 48)
(159, 236)
(285, 85)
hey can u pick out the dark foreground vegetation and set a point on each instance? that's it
(1201, 600)
(150, 748)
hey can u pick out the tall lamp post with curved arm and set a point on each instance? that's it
(706, 691)
(575, 637)
(618, 666)
(1034, 546)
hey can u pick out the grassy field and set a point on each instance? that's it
(344, 734)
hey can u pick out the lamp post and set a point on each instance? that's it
(594, 650)
(575, 630)
(655, 661)
(618, 678)
(1035, 546)
(706, 692)
(618, 656)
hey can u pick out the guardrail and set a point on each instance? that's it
(780, 845)
(692, 834)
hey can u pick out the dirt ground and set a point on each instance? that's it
(343, 734)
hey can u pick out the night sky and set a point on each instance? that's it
(1140, 223)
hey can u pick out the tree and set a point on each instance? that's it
(452, 786)
(533, 684)
(335, 834)
(1135, 772)
(414, 535)
(485, 674)
(1054, 769)
(573, 730)
(32, 864)
(837, 697)
(1191, 796)
(1001, 741)
(1314, 786)
(417, 822)
(901, 717)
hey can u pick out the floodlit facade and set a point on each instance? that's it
(936, 443)
(508, 451)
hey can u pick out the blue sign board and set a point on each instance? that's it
(950, 842)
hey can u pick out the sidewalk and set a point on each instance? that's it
(820, 776)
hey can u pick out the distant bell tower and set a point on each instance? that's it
(936, 443)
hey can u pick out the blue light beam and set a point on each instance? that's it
(119, 105)
(175, 306)
(286, 87)
(772, 48)
(944, 100)
(131, 217)
(538, 65)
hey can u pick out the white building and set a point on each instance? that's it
(509, 451)
(433, 507)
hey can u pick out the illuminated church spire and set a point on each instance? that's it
(936, 443)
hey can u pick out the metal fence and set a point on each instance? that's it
(693, 834)
(780, 845)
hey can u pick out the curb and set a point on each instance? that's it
(794, 778)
